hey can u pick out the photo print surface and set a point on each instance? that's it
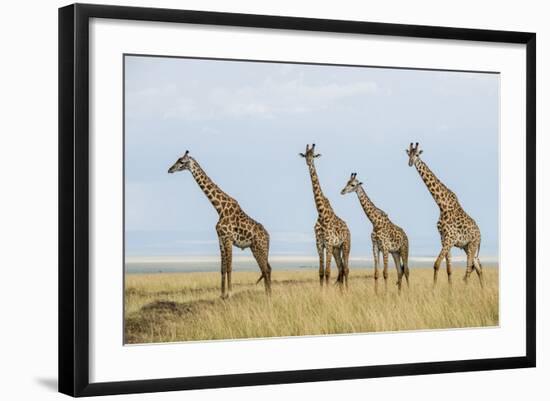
(267, 199)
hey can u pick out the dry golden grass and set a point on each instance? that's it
(169, 307)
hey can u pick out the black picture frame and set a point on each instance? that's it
(74, 198)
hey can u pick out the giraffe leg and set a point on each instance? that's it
(346, 248)
(376, 253)
(385, 255)
(477, 264)
(321, 252)
(395, 256)
(479, 271)
(473, 263)
(269, 272)
(405, 262)
(327, 263)
(469, 262)
(260, 254)
(448, 266)
(227, 254)
(336, 253)
(228, 272)
(444, 250)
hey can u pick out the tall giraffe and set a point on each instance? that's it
(331, 232)
(455, 226)
(234, 226)
(386, 236)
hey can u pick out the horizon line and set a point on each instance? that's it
(153, 259)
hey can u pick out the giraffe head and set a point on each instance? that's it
(352, 185)
(183, 163)
(310, 154)
(413, 152)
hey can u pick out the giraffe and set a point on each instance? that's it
(234, 226)
(331, 232)
(386, 236)
(455, 226)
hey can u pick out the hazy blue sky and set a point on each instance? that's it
(246, 122)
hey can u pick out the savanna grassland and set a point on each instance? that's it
(167, 307)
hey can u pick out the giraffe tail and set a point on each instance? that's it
(478, 249)
(477, 255)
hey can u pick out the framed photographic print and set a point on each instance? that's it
(251, 199)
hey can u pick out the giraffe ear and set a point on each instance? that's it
(317, 155)
(301, 154)
(360, 183)
(420, 152)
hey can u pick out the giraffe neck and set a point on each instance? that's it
(322, 203)
(443, 196)
(214, 194)
(375, 215)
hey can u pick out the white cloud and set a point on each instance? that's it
(269, 99)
